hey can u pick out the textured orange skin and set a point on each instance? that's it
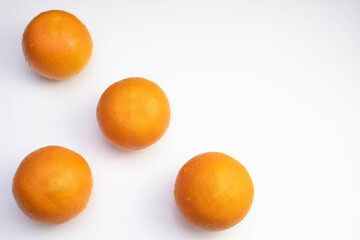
(52, 185)
(56, 44)
(213, 191)
(133, 113)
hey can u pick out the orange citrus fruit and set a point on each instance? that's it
(213, 191)
(133, 113)
(56, 44)
(52, 185)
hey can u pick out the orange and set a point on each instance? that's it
(52, 185)
(56, 44)
(133, 113)
(213, 191)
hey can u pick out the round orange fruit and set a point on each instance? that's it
(52, 185)
(56, 44)
(213, 191)
(133, 113)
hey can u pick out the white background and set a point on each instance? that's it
(275, 84)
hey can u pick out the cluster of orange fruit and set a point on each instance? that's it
(53, 184)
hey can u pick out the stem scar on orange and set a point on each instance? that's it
(56, 44)
(213, 191)
(133, 113)
(52, 185)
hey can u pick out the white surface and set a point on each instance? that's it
(275, 84)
